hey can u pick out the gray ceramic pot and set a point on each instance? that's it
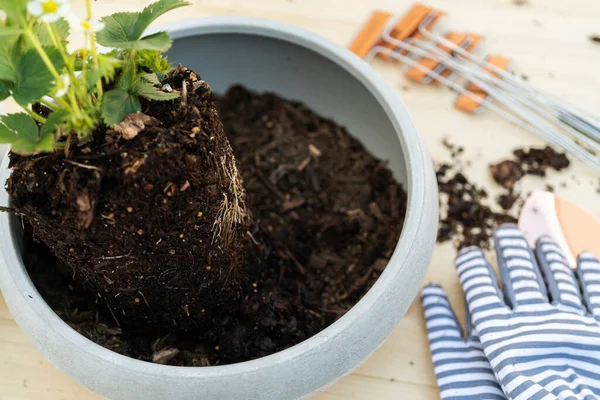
(298, 65)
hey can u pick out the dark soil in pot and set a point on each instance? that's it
(325, 218)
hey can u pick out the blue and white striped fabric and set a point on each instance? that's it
(462, 370)
(542, 336)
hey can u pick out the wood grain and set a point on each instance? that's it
(548, 41)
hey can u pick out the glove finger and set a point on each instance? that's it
(588, 271)
(440, 319)
(479, 284)
(521, 280)
(560, 279)
(460, 366)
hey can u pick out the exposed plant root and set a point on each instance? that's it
(232, 212)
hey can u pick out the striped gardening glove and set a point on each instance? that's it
(462, 370)
(541, 337)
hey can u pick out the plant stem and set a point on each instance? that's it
(62, 103)
(51, 34)
(38, 46)
(55, 39)
(71, 89)
(84, 58)
(35, 116)
(88, 7)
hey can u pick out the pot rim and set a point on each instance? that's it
(414, 154)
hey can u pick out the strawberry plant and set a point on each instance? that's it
(82, 88)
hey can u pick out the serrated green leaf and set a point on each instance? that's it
(153, 61)
(160, 41)
(123, 30)
(21, 132)
(62, 28)
(33, 79)
(4, 92)
(7, 69)
(152, 78)
(147, 90)
(117, 104)
(107, 67)
(20, 125)
(151, 12)
(118, 28)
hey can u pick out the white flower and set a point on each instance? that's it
(63, 86)
(85, 25)
(92, 25)
(49, 10)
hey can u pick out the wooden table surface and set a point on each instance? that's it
(548, 40)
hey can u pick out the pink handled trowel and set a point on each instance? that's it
(570, 226)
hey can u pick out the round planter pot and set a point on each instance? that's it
(265, 56)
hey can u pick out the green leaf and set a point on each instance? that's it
(147, 90)
(127, 79)
(21, 125)
(155, 10)
(153, 61)
(21, 132)
(152, 78)
(7, 69)
(107, 67)
(118, 28)
(117, 104)
(123, 30)
(4, 92)
(160, 41)
(17, 47)
(62, 28)
(33, 79)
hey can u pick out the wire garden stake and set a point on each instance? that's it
(430, 53)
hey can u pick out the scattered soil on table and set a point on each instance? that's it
(508, 200)
(328, 216)
(528, 162)
(595, 38)
(506, 173)
(537, 161)
(467, 216)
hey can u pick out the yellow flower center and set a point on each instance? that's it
(86, 25)
(50, 7)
